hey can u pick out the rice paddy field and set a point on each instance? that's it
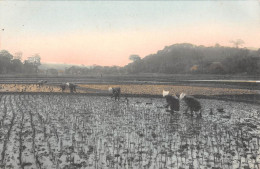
(51, 131)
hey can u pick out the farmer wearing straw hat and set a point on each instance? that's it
(172, 101)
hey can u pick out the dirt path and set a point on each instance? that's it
(140, 90)
(129, 89)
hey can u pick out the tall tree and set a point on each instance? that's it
(237, 43)
(18, 55)
(134, 58)
(16, 66)
(5, 61)
(35, 60)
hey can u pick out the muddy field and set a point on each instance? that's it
(73, 131)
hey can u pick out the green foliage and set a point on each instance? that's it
(77, 70)
(13, 65)
(188, 58)
(174, 59)
(134, 58)
(185, 58)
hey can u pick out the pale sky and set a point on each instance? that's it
(108, 32)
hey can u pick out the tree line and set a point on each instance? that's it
(186, 59)
(182, 58)
(10, 64)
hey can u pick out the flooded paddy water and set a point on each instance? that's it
(72, 131)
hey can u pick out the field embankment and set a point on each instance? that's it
(141, 90)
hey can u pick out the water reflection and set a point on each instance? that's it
(184, 124)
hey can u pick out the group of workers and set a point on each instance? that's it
(173, 102)
(63, 86)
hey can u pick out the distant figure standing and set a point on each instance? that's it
(72, 87)
(63, 87)
(192, 103)
(172, 101)
(116, 92)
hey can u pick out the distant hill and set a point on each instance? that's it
(189, 58)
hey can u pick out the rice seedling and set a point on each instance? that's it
(70, 131)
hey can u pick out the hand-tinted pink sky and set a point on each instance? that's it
(108, 32)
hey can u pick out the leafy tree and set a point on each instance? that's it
(134, 58)
(17, 66)
(28, 67)
(35, 60)
(258, 52)
(18, 55)
(5, 61)
(237, 43)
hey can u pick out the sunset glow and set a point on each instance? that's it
(75, 33)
